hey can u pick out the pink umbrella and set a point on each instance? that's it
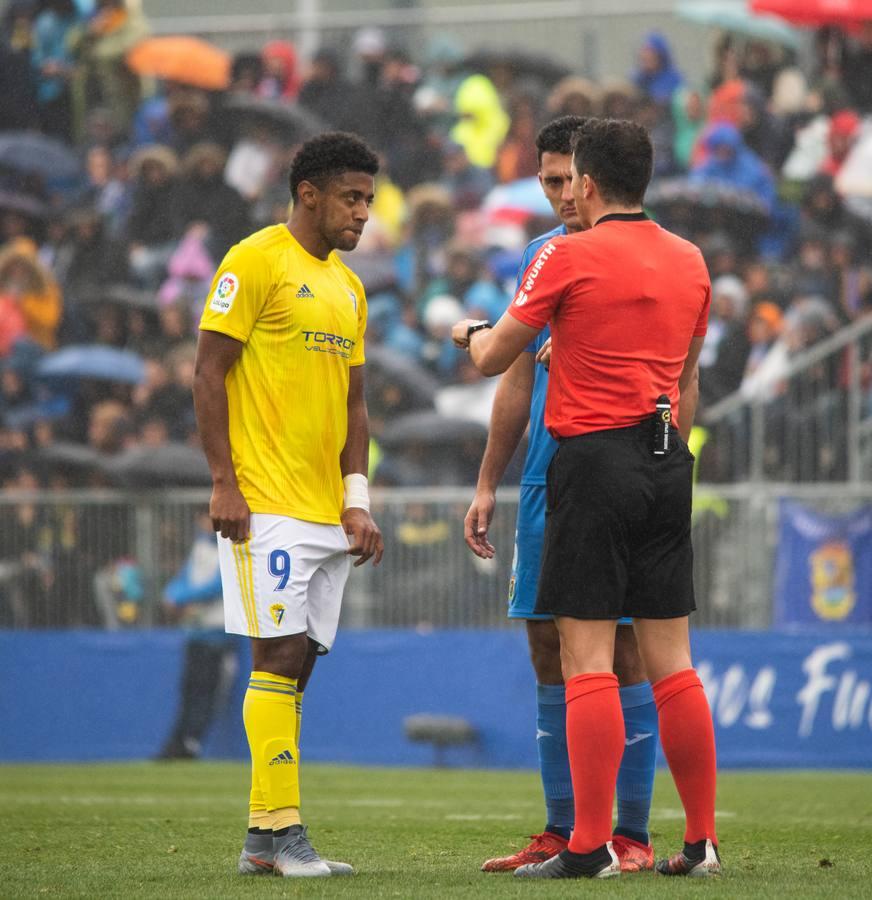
(817, 12)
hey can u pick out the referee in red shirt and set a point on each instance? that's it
(628, 305)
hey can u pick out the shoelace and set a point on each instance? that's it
(299, 849)
(540, 842)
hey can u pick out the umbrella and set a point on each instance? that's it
(93, 361)
(706, 205)
(431, 429)
(387, 369)
(523, 196)
(171, 464)
(735, 17)
(817, 12)
(290, 120)
(66, 456)
(35, 154)
(14, 201)
(182, 59)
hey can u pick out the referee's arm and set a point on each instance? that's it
(493, 350)
(688, 387)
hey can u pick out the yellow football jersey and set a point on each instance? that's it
(302, 322)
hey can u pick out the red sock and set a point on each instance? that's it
(595, 741)
(688, 738)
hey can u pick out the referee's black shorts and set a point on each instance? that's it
(617, 528)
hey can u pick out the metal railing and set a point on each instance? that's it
(813, 424)
(587, 35)
(311, 15)
(102, 559)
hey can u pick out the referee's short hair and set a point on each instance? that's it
(328, 155)
(556, 135)
(617, 155)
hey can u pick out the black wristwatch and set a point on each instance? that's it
(477, 326)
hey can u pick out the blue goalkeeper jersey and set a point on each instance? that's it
(541, 445)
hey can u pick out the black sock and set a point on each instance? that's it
(281, 832)
(696, 850)
(260, 830)
(586, 863)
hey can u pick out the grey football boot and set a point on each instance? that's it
(295, 857)
(257, 855)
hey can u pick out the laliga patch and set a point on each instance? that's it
(226, 290)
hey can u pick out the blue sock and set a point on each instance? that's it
(636, 775)
(553, 758)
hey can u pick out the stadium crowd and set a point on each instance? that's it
(111, 236)
(764, 165)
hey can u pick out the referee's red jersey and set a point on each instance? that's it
(624, 300)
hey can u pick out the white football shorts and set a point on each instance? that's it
(286, 579)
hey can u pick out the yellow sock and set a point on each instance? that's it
(259, 818)
(270, 724)
(299, 705)
(284, 818)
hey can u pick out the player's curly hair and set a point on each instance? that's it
(556, 135)
(618, 155)
(328, 155)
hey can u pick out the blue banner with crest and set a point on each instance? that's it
(823, 568)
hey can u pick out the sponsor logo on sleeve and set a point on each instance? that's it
(523, 294)
(222, 299)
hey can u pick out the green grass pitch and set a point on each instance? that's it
(174, 830)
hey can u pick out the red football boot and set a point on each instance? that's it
(633, 856)
(541, 847)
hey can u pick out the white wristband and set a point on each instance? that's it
(356, 491)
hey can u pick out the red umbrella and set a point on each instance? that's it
(817, 12)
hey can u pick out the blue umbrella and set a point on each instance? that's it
(93, 361)
(734, 16)
(523, 195)
(27, 151)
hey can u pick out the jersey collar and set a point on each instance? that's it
(622, 217)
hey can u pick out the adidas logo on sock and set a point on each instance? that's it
(305, 292)
(283, 759)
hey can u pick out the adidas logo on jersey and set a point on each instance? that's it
(283, 759)
(305, 293)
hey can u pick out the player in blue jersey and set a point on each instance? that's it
(520, 398)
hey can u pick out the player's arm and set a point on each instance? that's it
(365, 538)
(688, 386)
(216, 355)
(493, 350)
(509, 416)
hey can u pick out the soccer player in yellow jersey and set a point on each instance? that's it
(280, 404)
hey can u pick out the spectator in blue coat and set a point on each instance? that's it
(657, 76)
(730, 161)
(52, 61)
(193, 598)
